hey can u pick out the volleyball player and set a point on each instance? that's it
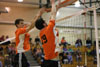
(22, 40)
(48, 35)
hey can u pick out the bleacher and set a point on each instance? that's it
(2, 57)
(89, 58)
(83, 49)
(6, 55)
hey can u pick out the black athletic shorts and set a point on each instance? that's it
(50, 63)
(20, 60)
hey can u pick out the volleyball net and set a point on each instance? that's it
(80, 25)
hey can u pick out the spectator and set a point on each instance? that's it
(1, 51)
(7, 50)
(93, 52)
(70, 59)
(63, 41)
(64, 59)
(79, 57)
(38, 51)
(64, 49)
(8, 42)
(78, 43)
(2, 38)
(88, 43)
(1, 64)
(89, 52)
(78, 51)
(12, 55)
(70, 50)
(37, 40)
(7, 61)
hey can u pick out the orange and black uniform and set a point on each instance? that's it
(22, 45)
(47, 38)
(26, 45)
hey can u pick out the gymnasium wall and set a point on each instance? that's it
(28, 13)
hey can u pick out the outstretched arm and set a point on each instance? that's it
(35, 18)
(54, 9)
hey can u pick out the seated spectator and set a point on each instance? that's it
(1, 51)
(61, 56)
(38, 51)
(2, 38)
(11, 48)
(88, 43)
(89, 52)
(70, 50)
(63, 41)
(70, 59)
(64, 49)
(34, 49)
(64, 59)
(7, 61)
(77, 52)
(1, 64)
(79, 57)
(8, 42)
(11, 56)
(78, 43)
(93, 52)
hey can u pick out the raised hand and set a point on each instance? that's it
(42, 10)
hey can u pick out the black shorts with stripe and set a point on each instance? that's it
(20, 60)
(50, 63)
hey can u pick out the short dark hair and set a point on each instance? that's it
(17, 21)
(39, 23)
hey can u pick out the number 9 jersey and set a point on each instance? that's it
(48, 39)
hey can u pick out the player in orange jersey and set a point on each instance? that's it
(48, 35)
(22, 40)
